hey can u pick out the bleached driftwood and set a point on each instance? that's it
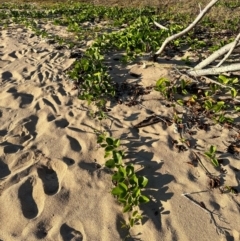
(234, 44)
(191, 26)
(214, 71)
(160, 26)
(216, 55)
(200, 8)
(198, 71)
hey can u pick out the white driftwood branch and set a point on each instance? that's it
(215, 55)
(230, 51)
(175, 36)
(214, 71)
(199, 5)
(159, 25)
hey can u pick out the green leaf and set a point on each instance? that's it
(136, 192)
(229, 119)
(183, 83)
(180, 102)
(131, 222)
(100, 139)
(107, 154)
(174, 89)
(117, 176)
(121, 189)
(129, 170)
(143, 199)
(233, 92)
(122, 171)
(215, 162)
(135, 213)
(122, 200)
(162, 81)
(117, 191)
(223, 79)
(208, 154)
(136, 202)
(109, 148)
(110, 141)
(235, 81)
(213, 149)
(110, 163)
(142, 181)
(130, 199)
(116, 143)
(237, 108)
(133, 180)
(121, 153)
(127, 208)
(208, 104)
(218, 106)
(117, 157)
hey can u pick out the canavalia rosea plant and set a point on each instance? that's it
(128, 185)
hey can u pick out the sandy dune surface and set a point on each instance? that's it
(53, 183)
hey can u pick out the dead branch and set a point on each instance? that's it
(160, 26)
(230, 51)
(200, 8)
(216, 55)
(186, 195)
(218, 228)
(214, 71)
(192, 25)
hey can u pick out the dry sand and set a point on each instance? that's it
(51, 186)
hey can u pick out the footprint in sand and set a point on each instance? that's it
(10, 148)
(70, 234)
(56, 99)
(19, 135)
(74, 144)
(32, 198)
(18, 54)
(52, 176)
(14, 168)
(3, 132)
(50, 117)
(22, 161)
(24, 98)
(4, 170)
(6, 76)
(61, 123)
(48, 103)
(42, 179)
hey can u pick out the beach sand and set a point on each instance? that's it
(53, 183)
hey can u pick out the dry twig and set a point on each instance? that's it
(234, 44)
(192, 25)
(218, 228)
(160, 26)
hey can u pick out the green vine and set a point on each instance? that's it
(128, 185)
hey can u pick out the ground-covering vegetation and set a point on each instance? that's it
(128, 184)
(133, 32)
